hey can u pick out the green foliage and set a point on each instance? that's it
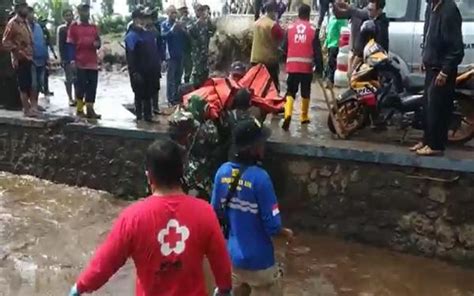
(152, 3)
(113, 24)
(51, 9)
(107, 7)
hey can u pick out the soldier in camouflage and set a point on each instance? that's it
(201, 32)
(187, 22)
(204, 138)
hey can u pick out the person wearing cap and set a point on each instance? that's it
(85, 41)
(65, 59)
(167, 235)
(267, 35)
(18, 39)
(153, 25)
(40, 56)
(201, 32)
(187, 22)
(144, 64)
(303, 51)
(174, 36)
(250, 212)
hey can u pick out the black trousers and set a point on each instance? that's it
(301, 81)
(86, 84)
(145, 92)
(332, 63)
(438, 108)
(155, 99)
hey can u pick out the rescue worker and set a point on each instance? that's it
(187, 22)
(68, 17)
(85, 41)
(167, 235)
(245, 202)
(18, 40)
(40, 57)
(47, 37)
(152, 24)
(267, 35)
(144, 65)
(201, 32)
(203, 136)
(174, 35)
(304, 57)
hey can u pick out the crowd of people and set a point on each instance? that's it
(181, 41)
(169, 235)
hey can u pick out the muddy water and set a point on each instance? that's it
(48, 231)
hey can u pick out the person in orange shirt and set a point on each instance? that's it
(18, 39)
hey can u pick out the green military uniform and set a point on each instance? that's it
(201, 33)
(187, 59)
(207, 144)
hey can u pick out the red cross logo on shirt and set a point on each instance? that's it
(173, 238)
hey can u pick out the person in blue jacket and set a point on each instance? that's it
(144, 64)
(251, 211)
(174, 36)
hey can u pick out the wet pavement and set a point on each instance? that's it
(114, 92)
(48, 231)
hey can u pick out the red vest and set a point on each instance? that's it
(300, 47)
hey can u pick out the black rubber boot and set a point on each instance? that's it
(91, 112)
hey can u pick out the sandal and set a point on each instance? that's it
(417, 147)
(427, 151)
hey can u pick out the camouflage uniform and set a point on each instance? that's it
(207, 146)
(187, 60)
(201, 34)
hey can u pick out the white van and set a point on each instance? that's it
(406, 33)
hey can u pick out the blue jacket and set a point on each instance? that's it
(253, 215)
(40, 48)
(143, 53)
(175, 41)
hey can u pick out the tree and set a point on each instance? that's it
(152, 3)
(107, 7)
(51, 9)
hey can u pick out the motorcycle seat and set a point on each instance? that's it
(414, 82)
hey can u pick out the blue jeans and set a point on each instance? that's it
(37, 78)
(173, 80)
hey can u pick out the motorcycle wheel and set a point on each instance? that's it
(462, 125)
(354, 116)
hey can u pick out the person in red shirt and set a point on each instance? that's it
(85, 40)
(167, 235)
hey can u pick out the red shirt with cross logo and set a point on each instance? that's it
(167, 238)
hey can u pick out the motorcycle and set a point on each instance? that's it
(378, 96)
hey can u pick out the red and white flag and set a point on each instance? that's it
(275, 210)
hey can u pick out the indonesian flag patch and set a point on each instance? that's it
(275, 210)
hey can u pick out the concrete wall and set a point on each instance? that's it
(409, 209)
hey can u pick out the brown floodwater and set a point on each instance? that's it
(48, 232)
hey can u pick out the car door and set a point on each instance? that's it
(466, 7)
(402, 26)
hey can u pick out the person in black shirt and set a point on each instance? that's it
(443, 51)
(375, 12)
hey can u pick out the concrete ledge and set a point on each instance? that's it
(380, 156)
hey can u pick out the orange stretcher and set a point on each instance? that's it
(218, 92)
